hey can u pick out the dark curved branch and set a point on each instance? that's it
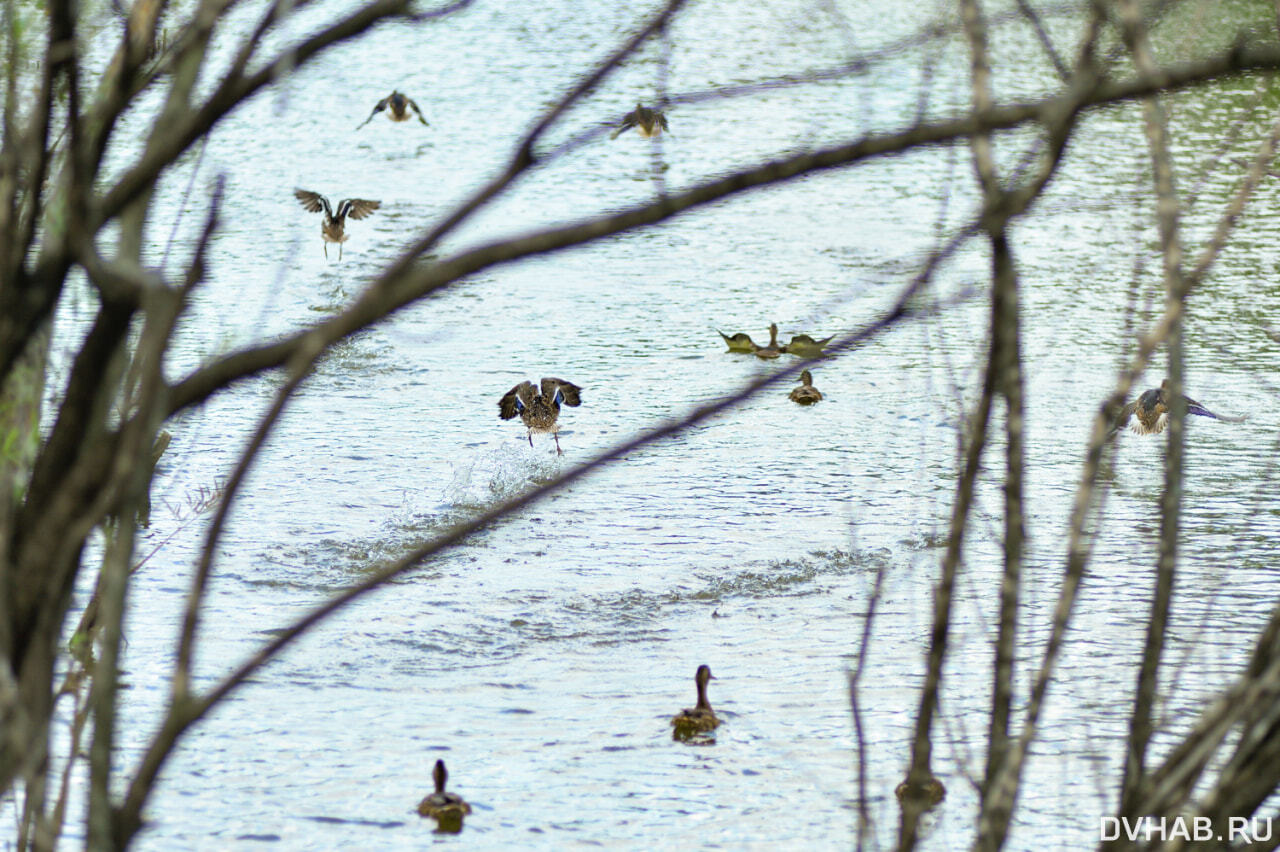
(232, 91)
(184, 712)
(392, 292)
(524, 157)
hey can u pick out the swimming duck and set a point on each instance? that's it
(772, 350)
(929, 793)
(447, 809)
(806, 394)
(700, 718)
(540, 411)
(1152, 411)
(331, 229)
(647, 122)
(400, 107)
(805, 346)
(738, 342)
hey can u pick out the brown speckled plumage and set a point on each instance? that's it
(927, 794)
(1150, 411)
(806, 394)
(333, 227)
(540, 412)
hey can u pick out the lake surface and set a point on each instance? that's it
(544, 658)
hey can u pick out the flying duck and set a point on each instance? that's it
(1151, 411)
(540, 411)
(400, 108)
(332, 228)
(647, 122)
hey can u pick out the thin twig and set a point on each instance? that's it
(1167, 217)
(864, 810)
(182, 715)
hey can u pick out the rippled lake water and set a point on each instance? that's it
(543, 658)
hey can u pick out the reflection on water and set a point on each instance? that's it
(545, 656)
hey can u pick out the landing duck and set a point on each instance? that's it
(540, 411)
(1150, 411)
(333, 228)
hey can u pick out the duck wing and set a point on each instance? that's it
(516, 400)
(415, 109)
(628, 121)
(443, 806)
(803, 344)
(1194, 407)
(571, 394)
(445, 800)
(379, 107)
(740, 342)
(313, 202)
(358, 208)
(1123, 417)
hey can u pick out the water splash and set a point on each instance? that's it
(499, 473)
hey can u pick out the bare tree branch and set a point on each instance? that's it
(1167, 216)
(189, 126)
(864, 646)
(182, 715)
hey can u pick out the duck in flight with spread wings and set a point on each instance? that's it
(399, 107)
(1150, 411)
(332, 229)
(540, 411)
(647, 122)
